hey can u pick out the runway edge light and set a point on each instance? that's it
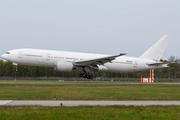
(54, 97)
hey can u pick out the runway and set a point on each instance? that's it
(86, 103)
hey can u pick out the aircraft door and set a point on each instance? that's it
(135, 64)
(20, 54)
(19, 59)
(48, 59)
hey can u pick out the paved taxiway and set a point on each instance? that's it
(85, 103)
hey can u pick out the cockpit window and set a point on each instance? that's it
(7, 52)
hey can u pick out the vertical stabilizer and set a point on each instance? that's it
(157, 50)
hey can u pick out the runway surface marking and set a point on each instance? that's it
(4, 102)
(85, 103)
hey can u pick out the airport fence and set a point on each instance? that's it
(84, 79)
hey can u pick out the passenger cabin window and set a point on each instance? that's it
(7, 52)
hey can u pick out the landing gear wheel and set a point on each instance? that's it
(81, 75)
(84, 75)
(91, 77)
(88, 76)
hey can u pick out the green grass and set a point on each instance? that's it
(89, 112)
(79, 91)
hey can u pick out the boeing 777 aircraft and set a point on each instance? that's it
(68, 61)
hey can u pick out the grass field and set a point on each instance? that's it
(80, 91)
(95, 112)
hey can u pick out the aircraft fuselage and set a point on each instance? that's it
(50, 58)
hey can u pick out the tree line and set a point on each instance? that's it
(7, 69)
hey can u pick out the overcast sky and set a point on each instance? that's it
(93, 26)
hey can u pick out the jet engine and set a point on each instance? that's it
(64, 66)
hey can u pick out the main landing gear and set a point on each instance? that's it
(84, 75)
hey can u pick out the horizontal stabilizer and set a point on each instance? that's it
(154, 64)
(162, 63)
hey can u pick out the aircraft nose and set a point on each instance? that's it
(2, 56)
(5, 56)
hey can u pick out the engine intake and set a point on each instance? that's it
(64, 66)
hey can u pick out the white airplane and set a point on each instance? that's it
(68, 61)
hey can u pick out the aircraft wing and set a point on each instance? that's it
(97, 61)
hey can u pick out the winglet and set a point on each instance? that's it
(121, 54)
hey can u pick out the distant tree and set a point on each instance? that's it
(8, 69)
(1, 65)
(171, 59)
(31, 71)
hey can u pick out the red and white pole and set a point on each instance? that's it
(152, 80)
(150, 76)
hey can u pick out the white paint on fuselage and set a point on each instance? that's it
(49, 58)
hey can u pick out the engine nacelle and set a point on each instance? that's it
(64, 66)
(102, 68)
